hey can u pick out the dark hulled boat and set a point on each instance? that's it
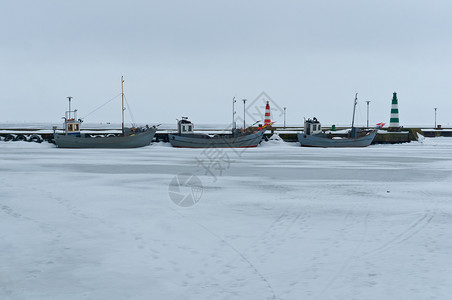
(313, 136)
(186, 138)
(129, 137)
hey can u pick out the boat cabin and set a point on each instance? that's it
(184, 126)
(312, 126)
(71, 124)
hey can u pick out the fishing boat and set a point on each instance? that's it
(313, 135)
(129, 138)
(238, 138)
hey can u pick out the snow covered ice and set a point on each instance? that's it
(280, 222)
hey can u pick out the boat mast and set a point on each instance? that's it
(122, 98)
(353, 130)
(354, 108)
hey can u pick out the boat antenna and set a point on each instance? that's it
(70, 98)
(354, 108)
(122, 98)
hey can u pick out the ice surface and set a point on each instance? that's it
(279, 222)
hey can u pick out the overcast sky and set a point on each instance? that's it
(190, 58)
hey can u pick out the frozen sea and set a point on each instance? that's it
(275, 222)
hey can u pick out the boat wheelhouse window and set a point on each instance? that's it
(76, 128)
(186, 128)
(69, 127)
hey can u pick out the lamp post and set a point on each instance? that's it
(435, 116)
(285, 117)
(244, 125)
(367, 113)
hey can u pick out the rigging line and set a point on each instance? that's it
(130, 111)
(102, 105)
(360, 112)
(363, 113)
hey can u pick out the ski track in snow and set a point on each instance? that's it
(283, 222)
(230, 268)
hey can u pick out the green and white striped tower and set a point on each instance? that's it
(394, 120)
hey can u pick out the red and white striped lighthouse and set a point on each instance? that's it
(267, 120)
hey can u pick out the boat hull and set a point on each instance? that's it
(139, 139)
(321, 140)
(204, 141)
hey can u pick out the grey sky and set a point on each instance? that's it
(191, 57)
